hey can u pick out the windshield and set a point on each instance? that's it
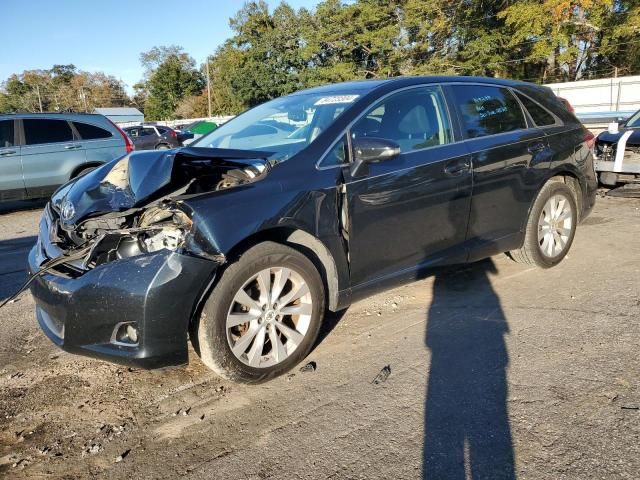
(284, 126)
(634, 121)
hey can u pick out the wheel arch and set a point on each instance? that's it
(307, 244)
(572, 180)
(79, 168)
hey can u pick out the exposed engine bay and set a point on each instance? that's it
(139, 203)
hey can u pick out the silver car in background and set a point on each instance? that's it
(41, 151)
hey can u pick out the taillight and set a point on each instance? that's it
(174, 134)
(589, 139)
(128, 144)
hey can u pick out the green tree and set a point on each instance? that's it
(171, 75)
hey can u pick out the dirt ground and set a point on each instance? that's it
(497, 371)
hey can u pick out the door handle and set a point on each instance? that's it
(72, 147)
(7, 152)
(536, 147)
(457, 168)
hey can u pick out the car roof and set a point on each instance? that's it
(52, 115)
(365, 86)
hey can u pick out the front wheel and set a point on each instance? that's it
(263, 316)
(550, 228)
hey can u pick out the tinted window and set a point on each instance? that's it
(147, 131)
(46, 131)
(488, 110)
(6, 133)
(161, 130)
(540, 116)
(91, 132)
(414, 119)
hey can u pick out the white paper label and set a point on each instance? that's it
(336, 99)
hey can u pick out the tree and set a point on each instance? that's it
(171, 75)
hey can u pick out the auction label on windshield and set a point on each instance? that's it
(336, 99)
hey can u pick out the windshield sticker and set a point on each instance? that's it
(336, 99)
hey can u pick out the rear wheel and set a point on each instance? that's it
(84, 171)
(263, 316)
(550, 228)
(163, 146)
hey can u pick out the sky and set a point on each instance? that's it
(109, 35)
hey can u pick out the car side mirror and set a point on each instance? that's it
(372, 150)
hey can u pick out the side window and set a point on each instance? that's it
(147, 131)
(337, 156)
(6, 133)
(414, 119)
(46, 131)
(488, 110)
(161, 130)
(91, 132)
(540, 116)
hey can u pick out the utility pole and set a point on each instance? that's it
(208, 87)
(39, 98)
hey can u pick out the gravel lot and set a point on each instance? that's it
(497, 371)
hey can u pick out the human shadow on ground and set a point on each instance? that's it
(467, 432)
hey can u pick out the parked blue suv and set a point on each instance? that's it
(41, 151)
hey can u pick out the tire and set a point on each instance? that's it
(84, 171)
(163, 146)
(547, 250)
(252, 363)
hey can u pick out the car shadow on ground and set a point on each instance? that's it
(13, 264)
(467, 432)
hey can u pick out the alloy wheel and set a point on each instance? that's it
(269, 317)
(555, 225)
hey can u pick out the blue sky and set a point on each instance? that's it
(108, 35)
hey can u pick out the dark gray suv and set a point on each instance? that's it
(41, 151)
(153, 137)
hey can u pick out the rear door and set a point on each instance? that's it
(509, 157)
(50, 154)
(411, 211)
(149, 138)
(100, 144)
(11, 179)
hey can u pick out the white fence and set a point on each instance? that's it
(603, 95)
(219, 120)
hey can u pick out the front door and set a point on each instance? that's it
(11, 179)
(409, 212)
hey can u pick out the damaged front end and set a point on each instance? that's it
(117, 272)
(617, 156)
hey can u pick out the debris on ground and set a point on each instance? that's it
(382, 376)
(309, 367)
(122, 456)
(630, 407)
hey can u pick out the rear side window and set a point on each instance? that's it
(6, 133)
(91, 132)
(488, 110)
(46, 131)
(540, 116)
(147, 131)
(161, 130)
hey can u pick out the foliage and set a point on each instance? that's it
(61, 88)
(171, 76)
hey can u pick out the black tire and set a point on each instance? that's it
(84, 171)
(162, 146)
(210, 335)
(531, 252)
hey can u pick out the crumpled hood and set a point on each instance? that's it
(607, 137)
(139, 177)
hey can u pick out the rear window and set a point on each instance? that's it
(540, 116)
(488, 110)
(6, 133)
(38, 131)
(91, 132)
